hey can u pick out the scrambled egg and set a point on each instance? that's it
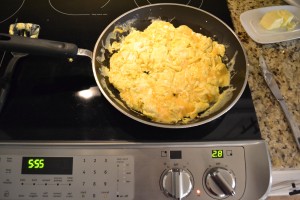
(168, 74)
(25, 29)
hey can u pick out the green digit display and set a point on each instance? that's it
(36, 163)
(220, 154)
(47, 165)
(30, 163)
(217, 154)
(42, 163)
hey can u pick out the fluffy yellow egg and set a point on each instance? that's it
(168, 74)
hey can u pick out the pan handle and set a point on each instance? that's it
(37, 46)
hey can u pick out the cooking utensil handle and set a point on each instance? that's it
(294, 127)
(37, 46)
(5, 84)
(6, 78)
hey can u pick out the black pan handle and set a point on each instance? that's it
(37, 46)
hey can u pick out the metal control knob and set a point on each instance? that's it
(177, 183)
(220, 182)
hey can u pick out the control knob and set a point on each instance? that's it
(220, 182)
(177, 183)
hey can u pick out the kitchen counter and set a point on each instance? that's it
(283, 60)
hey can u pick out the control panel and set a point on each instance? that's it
(79, 177)
(130, 171)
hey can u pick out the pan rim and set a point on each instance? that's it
(164, 125)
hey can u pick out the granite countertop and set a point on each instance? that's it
(283, 59)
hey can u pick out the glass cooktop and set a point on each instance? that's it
(55, 99)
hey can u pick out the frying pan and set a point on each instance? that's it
(198, 20)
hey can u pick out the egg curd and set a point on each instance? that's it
(168, 74)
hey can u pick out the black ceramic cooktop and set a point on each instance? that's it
(55, 99)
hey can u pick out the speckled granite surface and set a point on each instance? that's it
(284, 61)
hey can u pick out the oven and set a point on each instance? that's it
(61, 139)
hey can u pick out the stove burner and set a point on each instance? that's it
(63, 102)
(195, 3)
(10, 9)
(75, 7)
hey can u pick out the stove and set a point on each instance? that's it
(61, 139)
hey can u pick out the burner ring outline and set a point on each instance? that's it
(14, 12)
(188, 3)
(78, 14)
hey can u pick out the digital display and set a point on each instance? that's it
(47, 165)
(175, 155)
(217, 154)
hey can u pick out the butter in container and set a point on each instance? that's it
(276, 19)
